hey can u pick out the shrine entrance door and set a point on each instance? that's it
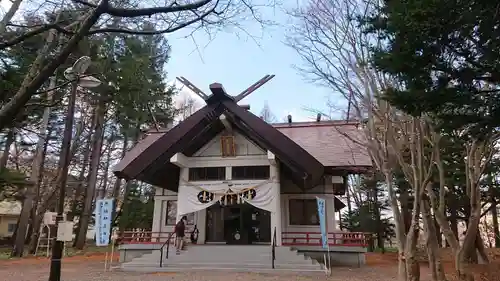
(238, 224)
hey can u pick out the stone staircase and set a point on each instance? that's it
(236, 258)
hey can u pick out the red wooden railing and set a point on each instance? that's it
(144, 237)
(354, 239)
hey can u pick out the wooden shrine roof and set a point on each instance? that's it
(149, 160)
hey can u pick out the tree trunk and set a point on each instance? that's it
(481, 251)
(405, 208)
(36, 172)
(118, 183)
(432, 245)
(487, 231)
(36, 222)
(34, 230)
(399, 223)
(42, 208)
(81, 186)
(94, 168)
(128, 185)
(48, 193)
(121, 228)
(9, 140)
(378, 220)
(439, 236)
(22, 226)
(106, 169)
(81, 177)
(453, 223)
(494, 215)
(411, 260)
(348, 198)
(77, 197)
(29, 232)
(468, 252)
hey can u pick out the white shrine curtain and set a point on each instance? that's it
(189, 195)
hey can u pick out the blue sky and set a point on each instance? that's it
(237, 61)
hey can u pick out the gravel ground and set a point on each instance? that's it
(93, 271)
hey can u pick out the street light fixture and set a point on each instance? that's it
(73, 74)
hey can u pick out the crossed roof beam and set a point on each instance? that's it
(237, 98)
(219, 87)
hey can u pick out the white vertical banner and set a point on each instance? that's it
(321, 204)
(103, 221)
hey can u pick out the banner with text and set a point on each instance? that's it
(322, 221)
(103, 221)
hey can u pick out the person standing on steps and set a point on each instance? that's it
(180, 228)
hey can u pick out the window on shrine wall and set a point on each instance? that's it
(171, 213)
(303, 212)
(250, 173)
(207, 174)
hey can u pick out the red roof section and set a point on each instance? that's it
(333, 143)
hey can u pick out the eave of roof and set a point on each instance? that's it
(166, 145)
(336, 144)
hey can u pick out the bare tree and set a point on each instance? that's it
(479, 153)
(336, 55)
(266, 114)
(95, 158)
(36, 169)
(187, 105)
(171, 17)
(38, 198)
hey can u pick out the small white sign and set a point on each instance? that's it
(49, 218)
(65, 231)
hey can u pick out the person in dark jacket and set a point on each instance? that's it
(180, 228)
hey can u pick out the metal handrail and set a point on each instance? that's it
(273, 250)
(167, 243)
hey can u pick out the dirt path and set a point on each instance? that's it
(90, 268)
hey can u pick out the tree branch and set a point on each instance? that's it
(32, 33)
(85, 3)
(23, 95)
(132, 13)
(487, 210)
(154, 32)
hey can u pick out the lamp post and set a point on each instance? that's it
(74, 74)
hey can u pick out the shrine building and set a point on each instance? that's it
(243, 181)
